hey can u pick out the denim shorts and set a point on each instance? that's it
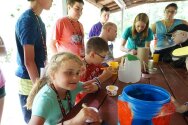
(2, 92)
(26, 113)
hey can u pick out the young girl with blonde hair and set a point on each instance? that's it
(58, 89)
(138, 35)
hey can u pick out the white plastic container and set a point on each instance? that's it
(130, 69)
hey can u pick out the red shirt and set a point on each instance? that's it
(70, 36)
(91, 72)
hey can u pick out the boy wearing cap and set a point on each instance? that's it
(180, 36)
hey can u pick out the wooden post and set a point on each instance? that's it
(64, 8)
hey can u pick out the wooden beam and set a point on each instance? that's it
(116, 10)
(112, 7)
(110, 4)
(115, 7)
(94, 3)
(97, 1)
(130, 5)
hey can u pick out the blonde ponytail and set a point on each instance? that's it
(37, 86)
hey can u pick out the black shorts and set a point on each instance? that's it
(2, 92)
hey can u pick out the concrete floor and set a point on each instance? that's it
(12, 114)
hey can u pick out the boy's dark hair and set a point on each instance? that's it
(106, 9)
(172, 5)
(97, 45)
(72, 2)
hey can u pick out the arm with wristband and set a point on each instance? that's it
(95, 84)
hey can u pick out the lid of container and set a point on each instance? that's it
(131, 57)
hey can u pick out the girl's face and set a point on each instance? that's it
(75, 11)
(68, 75)
(45, 4)
(170, 13)
(140, 26)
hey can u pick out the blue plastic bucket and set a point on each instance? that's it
(145, 101)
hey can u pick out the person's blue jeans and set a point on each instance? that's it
(26, 113)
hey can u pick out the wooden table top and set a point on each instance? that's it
(174, 80)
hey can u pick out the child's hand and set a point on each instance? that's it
(90, 87)
(111, 70)
(86, 114)
(133, 52)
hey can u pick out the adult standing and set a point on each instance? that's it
(30, 36)
(137, 35)
(109, 34)
(68, 34)
(161, 27)
(104, 17)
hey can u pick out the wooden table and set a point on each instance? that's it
(174, 80)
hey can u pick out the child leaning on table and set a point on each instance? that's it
(96, 51)
(58, 89)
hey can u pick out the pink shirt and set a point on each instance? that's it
(70, 36)
(2, 79)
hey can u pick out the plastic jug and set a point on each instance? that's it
(129, 69)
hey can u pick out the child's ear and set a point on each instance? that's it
(108, 29)
(68, 7)
(52, 76)
(92, 54)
